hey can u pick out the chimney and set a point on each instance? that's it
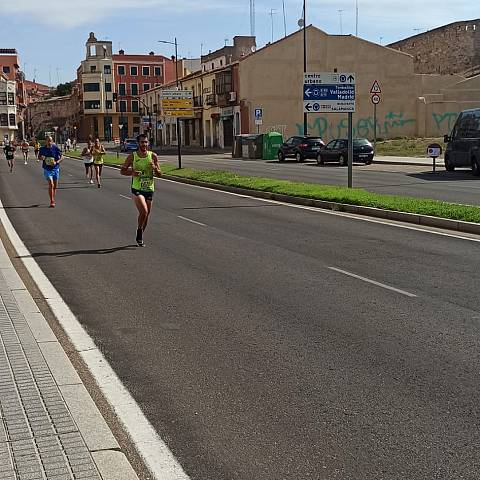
(151, 53)
(121, 52)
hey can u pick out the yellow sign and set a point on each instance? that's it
(179, 113)
(168, 104)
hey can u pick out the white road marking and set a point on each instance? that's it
(362, 218)
(154, 451)
(192, 221)
(352, 216)
(69, 174)
(124, 196)
(368, 280)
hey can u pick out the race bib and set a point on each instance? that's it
(146, 183)
(50, 161)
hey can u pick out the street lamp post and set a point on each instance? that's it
(179, 134)
(305, 118)
(120, 127)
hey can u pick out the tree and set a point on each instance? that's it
(64, 89)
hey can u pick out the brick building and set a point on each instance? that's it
(451, 49)
(134, 75)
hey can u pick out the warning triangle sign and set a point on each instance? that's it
(375, 88)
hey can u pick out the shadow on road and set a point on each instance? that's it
(444, 176)
(5, 207)
(98, 251)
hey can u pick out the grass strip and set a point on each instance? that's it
(329, 193)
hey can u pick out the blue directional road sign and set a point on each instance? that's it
(329, 93)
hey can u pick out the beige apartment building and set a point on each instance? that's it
(411, 104)
(96, 79)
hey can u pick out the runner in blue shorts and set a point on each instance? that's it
(51, 157)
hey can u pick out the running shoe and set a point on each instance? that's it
(139, 238)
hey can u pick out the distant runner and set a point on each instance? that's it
(25, 149)
(9, 151)
(98, 152)
(142, 166)
(88, 161)
(51, 157)
(36, 148)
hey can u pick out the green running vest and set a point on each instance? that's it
(145, 181)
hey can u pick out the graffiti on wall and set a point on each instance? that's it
(393, 122)
(445, 121)
(276, 128)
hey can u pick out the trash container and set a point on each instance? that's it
(271, 145)
(238, 143)
(254, 144)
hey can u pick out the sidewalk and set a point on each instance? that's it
(418, 161)
(50, 428)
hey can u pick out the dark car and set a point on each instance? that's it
(463, 144)
(130, 145)
(300, 147)
(337, 151)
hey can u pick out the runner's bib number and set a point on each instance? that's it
(146, 183)
(50, 161)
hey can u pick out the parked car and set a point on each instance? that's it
(337, 151)
(463, 144)
(300, 147)
(129, 145)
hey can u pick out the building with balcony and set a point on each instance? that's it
(10, 69)
(8, 109)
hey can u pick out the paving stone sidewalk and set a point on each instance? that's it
(50, 428)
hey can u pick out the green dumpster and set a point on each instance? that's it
(272, 142)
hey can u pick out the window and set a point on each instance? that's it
(122, 89)
(121, 69)
(3, 98)
(146, 86)
(93, 69)
(92, 105)
(6, 69)
(123, 105)
(12, 120)
(146, 71)
(107, 69)
(91, 87)
(108, 87)
(134, 105)
(213, 65)
(108, 104)
(134, 87)
(136, 120)
(158, 71)
(11, 99)
(221, 62)
(133, 71)
(3, 120)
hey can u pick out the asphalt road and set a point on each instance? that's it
(416, 181)
(246, 340)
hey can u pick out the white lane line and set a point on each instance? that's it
(368, 280)
(124, 196)
(362, 218)
(69, 174)
(157, 456)
(191, 221)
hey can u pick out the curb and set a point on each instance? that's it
(398, 162)
(424, 220)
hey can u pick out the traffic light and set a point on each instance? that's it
(114, 97)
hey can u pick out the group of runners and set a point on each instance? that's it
(141, 165)
(10, 148)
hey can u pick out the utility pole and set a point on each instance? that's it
(284, 18)
(252, 18)
(356, 18)
(305, 117)
(179, 132)
(272, 13)
(341, 23)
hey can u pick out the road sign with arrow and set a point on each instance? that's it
(329, 92)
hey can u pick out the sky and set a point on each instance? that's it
(50, 36)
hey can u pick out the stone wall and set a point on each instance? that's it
(453, 48)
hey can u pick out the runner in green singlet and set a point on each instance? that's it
(142, 166)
